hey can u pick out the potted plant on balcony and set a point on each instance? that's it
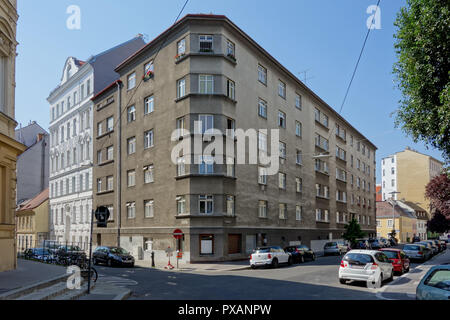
(149, 75)
(179, 56)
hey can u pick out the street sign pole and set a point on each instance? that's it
(90, 253)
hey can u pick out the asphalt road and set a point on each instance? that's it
(308, 281)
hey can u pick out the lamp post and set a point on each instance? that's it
(393, 193)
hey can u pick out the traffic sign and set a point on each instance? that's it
(178, 234)
(102, 216)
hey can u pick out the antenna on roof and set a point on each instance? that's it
(305, 78)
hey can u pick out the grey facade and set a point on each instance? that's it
(234, 221)
(33, 163)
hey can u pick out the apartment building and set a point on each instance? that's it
(205, 73)
(10, 149)
(71, 118)
(408, 172)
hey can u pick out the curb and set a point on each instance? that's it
(123, 296)
(31, 288)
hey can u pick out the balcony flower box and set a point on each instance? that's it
(179, 56)
(149, 75)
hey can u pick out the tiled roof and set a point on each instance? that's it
(35, 202)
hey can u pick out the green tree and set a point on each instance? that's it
(423, 70)
(352, 232)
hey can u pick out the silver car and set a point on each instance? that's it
(335, 248)
(435, 285)
(417, 251)
(430, 245)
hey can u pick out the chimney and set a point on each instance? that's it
(40, 136)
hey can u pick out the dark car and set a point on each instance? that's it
(416, 239)
(393, 242)
(300, 253)
(374, 244)
(113, 256)
(360, 244)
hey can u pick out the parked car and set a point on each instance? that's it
(366, 265)
(112, 256)
(40, 254)
(444, 244)
(374, 244)
(392, 242)
(361, 244)
(335, 248)
(298, 256)
(430, 244)
(416, 239)
(417, 251)
(269, 256)
(399, 259)
(309, 254)
(435, 285)
(439, 245)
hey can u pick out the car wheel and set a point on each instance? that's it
(342, 281)
(275, 263)
(391, 278)
(253, 266)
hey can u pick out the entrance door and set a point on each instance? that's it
(250, 243)
(234, 243)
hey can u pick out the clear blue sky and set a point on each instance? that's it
(324, 36)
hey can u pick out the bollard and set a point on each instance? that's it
(153, 259)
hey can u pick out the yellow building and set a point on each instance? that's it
(403, 221)
(32, 220)
(9, 147)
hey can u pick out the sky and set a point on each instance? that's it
(321, 37)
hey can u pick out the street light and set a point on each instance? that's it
(393, 210)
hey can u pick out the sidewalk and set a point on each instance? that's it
(28, 273)
(192, 267)
(404, 287)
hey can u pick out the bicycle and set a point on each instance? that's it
(83, 264)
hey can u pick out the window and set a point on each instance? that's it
(262, 74)
(75, 98)
(206, 165)
(149, 69)
(206, 204)
(282, 89)
(341, 174)
(110, 183)
(131, 181)
(181, 166)
(131, 143)
(262, 175)
(321, 117)
(262, 142)
(282, 180)
(341, 154)
(207, 244)
(206, 84)
(206, 43)
(231, 126)
(393, 183)
(230, 206)
(390, 223)
(111, 212)
(148, 174)
(231, 90)
(262, 209)
(282, 211)
(298, 129)
(230, 48)
(181, 125)
(321, 142)
(131, 80)
(68, 131)
(298, 101)
(181, 47)
(298, 158)
(181, 205)
(341, 196)
(131, 114)
(230, 167)
(392, 170)
(322, 215)
(282, 150)
(206, 122)
(88, 87)
(110, 153)
(109, 124)
(341, 132)
(281, 119)
(148, 139)
(181, 88)
(149, 105)
(298, 185)
(99, 157)
(131, 210)
(99, 185)
(298, 213)
(149, 208)
(99, 129)
(321, 166)
(262, 108)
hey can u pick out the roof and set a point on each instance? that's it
(114, 83)
(252, 42)
(414, 206)
(412, 150)
(28, 135)
(35, 202)
(384, 210)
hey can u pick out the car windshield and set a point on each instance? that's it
(391, 254)
(411, 248)
(331, 244)
(439, 279)
(358, 258)
(41, 251)
(118, 251)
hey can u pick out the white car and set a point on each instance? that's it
(269, 256)
(371, 266)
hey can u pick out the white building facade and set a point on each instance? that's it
(71, 154)
(389, 177)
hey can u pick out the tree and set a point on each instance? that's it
(353, 231)
(438, 192)
(423, 70)
(439, 223)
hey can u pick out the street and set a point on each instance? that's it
(308, 281)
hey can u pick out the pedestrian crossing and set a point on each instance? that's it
(117, 281)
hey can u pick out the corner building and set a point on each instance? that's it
(208, 70)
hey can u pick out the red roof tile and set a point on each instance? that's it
(36, 201)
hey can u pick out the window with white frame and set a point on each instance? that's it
(262, 108)
(181, 47)
(262, 175)
(230, 167)
(99, 185)
(298, 185)
(181, 125)
(181, 166)
(149, 104)
(262, 209)
(206, 42)
(131, 81)
(281, 89)
(110, 153)
(262, 142)
(131, 144)
(206, 204)
(230, 48)
(110, 183)
(298, 129)
(341, 196)
(341, 174)
(148, 139)
(262, 74)
(298, 101)
(282, 211)
(205, 123)
(131, 178)
(149, 208)
(131, 210)
(181, 205)
(149, 68)
(230, 205)
(281, 119)
(231, 89)
(109, 124)
(206, 165)
(148, 174)
(131, 114)
(298, 213)
(206, 83)
(99, 157)
(282, 180)
(282, 147)
(181, 88)
(298, 158)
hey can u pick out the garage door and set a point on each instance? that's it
(234, 243)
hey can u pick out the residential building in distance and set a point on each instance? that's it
(10, 149)
(408, 220)
(379, 194)
(71, 140)
(408, 172)
(32, 164)
(32, 219)
(222, 79)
